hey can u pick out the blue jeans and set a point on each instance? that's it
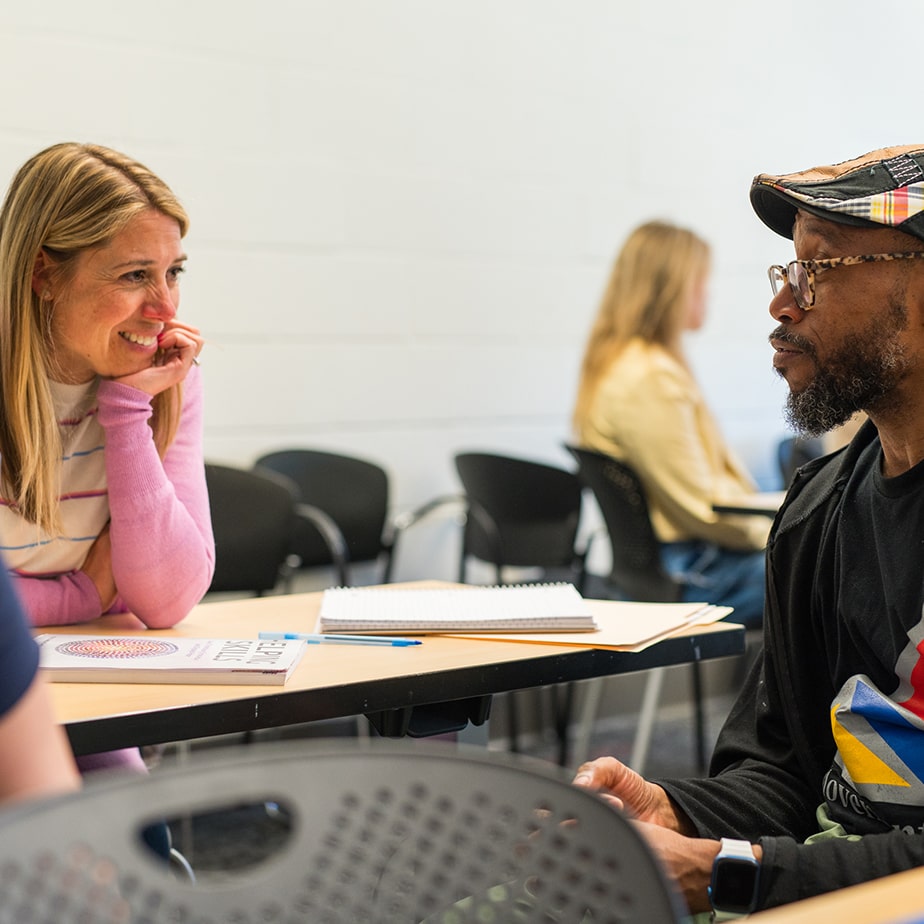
(721, 576)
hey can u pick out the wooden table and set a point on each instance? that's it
(419, 690)
(897, 899)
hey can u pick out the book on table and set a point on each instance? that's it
(150, 659)
(514, 608)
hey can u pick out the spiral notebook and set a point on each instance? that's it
(519, 608)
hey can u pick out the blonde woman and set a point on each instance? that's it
(103, 502)
(638, 400)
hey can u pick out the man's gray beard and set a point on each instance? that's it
(860, 376)
(829, 401)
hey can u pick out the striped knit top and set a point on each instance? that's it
(84, 503)
(162, 546)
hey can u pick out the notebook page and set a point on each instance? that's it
(506, 608)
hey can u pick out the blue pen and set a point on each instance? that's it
(343, 639)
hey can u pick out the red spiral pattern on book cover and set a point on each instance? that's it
(118, 648)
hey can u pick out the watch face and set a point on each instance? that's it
(733, 884)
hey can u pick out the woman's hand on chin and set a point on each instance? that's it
(178, 347)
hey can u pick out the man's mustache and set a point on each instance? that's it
(783, 334)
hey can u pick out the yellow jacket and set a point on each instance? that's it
(649, 411)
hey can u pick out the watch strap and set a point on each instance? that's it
(719, 916)
(740, 850)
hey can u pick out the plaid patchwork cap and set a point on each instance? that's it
(884, 187)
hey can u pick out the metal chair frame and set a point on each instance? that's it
(523, 513)
(636, 574)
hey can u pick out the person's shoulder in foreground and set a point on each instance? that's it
(35, 759)
(817, 780)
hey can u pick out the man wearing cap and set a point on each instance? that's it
(817, 780)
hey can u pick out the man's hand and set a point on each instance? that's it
(633, 794)
(98, 568)
(686, 860)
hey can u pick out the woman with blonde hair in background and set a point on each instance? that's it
(639, 401)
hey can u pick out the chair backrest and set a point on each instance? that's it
(520, 513)
(253, 517)
(636, 568)
(795, 451)
(353, 492)
(379, 833)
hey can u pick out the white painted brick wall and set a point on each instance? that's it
(404, 210)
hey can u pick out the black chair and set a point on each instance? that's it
(253, 518)
(520, 514)
(523, 514)
(794, 451)
(378, 834)
(636, 574)
(352, 496)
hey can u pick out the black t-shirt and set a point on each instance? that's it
(832, 712)
(877, 649)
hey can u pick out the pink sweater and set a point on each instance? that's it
(163, 551)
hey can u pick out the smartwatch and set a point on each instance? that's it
(735, 875)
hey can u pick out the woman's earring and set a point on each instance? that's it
(46, 294)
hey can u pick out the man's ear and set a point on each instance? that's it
(41, 276)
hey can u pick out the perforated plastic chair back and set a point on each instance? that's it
(253, 520)
(636, 566)
(520, 513)
(352, 491)
(385, 835)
